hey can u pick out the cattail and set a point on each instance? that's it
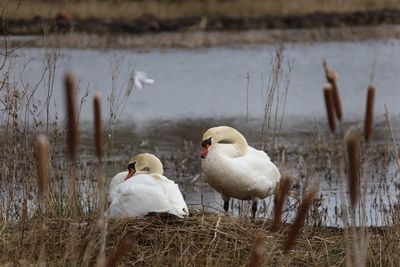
(118, 252)
(72, 124)
(43, 158)
(258, 251)
(326, 68)
(336, 98)
(369, 113)
(280, 198)
(300, 218)
(98, 126)
(328, 93)
(353, 153)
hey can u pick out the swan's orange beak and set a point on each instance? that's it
(131, 172)
(204, 151)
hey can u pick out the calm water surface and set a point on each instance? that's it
(212, 83)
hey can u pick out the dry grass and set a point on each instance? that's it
(125, 9)
(167, 241)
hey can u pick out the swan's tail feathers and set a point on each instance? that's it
(180, 211)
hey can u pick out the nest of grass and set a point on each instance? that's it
(203, 239)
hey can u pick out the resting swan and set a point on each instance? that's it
(235, 169)
(143, 189)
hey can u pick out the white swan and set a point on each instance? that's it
(143, 189)
(235, 169)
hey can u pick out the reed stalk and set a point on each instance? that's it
(43, 162)
(72, 123)
(369, 113)
(279, 201)
(332, 79)
(353, 153)
(299, 222)
(330, 109)
(258, 251)
(99, 142)
(117, 253)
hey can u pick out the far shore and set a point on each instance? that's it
(198, 38)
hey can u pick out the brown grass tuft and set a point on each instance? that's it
(336, 98)
(328, 93)
(369, 113)
(280, 198)
(258, 251)
(98, 126)
(300, 218)
(72, 122)
(43, 161)
(353, 153)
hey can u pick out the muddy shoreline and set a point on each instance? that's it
(64, 22)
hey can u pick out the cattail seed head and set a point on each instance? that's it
(43, 161)
(258, 251)
(326, 68)
(328, 94)
(280, 198)
(300, 218)
(118, 252)
(332, 79)
(369, 113)
(353, 153)
(72, 123)
(98, 126)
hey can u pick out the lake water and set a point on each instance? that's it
(211, 82)
(209, 85)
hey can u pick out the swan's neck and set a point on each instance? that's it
(238, 141)
(155, 168)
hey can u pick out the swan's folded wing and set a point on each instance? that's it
(177, 203)
(138, 201)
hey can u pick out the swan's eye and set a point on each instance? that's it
(131, 166)
(224, 142)
(206, 142)
(145, 169)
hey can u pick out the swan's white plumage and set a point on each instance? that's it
(144, 193)
(238, 170)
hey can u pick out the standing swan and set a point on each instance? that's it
(235, 169)
(143, 189)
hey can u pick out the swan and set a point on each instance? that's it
(235, 169)
(144, 189)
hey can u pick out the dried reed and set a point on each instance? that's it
(369, 113)
(328, 93)
(258, 251)
(336, 98)
(300, 218)
(43, 161)
(72, 123)
(279, 201)
(98, 126)
(353, 153)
